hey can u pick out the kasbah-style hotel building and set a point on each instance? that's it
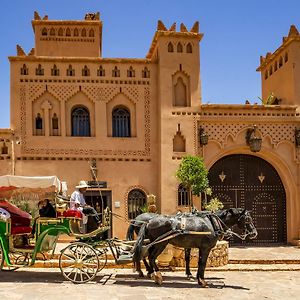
(133, 120)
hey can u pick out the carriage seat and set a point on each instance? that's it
(72, 214)
(20, 220)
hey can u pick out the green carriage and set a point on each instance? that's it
(79, 261)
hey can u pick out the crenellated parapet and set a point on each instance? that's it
(172, 32)
(270, 57)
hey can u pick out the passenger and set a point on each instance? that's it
(77, 202)
(46, 210)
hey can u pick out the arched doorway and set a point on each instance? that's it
(250, 182)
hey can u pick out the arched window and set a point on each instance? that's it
(52, 31)
(24, 70)
(271, 70)
(130, 72)
(83, 32)
(91, 33)
(180, 93)
(179, 48)
(60, 32)
(121, 122)
(115, 72)
(136, 202)
(101, 71)
(145, 73)
(76, 32)
(170, 47)
(39, 70)
(275, 66)
(280, 62)
(286, 57)
(189, 48)
(68, 32)
(70, 71)
(44, 31)
(38, 124)
(85, 71)
(183, 196)
(4, 149)
(55, 71)
(80, 122)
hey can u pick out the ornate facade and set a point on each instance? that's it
(132, 120)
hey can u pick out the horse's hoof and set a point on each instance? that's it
(141, 274)
(149, 275)
(189, 276)
(202, 283)
(158, 278)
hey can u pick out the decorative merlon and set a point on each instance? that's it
(173, 27)
(36, 16)
(183, 28)
(31, 52)
(161, 26)
(195, 27)
(293, 31)
(20, 51)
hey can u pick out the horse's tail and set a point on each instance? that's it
(130, 232)
(137, 250)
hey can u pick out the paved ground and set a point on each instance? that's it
(48, 284)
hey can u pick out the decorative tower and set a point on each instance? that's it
(280, 75)
(178, 95)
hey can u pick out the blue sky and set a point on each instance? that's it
(236, 33)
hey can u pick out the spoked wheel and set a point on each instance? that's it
(79, 262)
(16, 259)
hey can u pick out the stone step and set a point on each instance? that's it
(263, 261)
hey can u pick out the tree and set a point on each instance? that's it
(192, 174)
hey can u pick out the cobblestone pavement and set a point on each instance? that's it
(48, 284)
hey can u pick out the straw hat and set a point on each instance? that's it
(82, 184)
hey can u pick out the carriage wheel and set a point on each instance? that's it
(79, 262)
(15, 259)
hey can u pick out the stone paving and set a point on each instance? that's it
(122, 284)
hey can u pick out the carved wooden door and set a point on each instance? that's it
(250, 182)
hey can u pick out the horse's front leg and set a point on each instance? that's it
(203, 255)
(187, 258)
(147, 267)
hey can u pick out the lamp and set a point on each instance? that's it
(203, 136)
(297, 137)
(253, 140)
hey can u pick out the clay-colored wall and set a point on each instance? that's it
(67, 46)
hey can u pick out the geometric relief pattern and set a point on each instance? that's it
(132, 93)
(35, 91)
(65, 94)
(277, 132)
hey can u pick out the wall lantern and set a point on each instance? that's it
(253, 140)
(203, 136)
(297, 137)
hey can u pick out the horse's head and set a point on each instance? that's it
(245, 222)
(241, 218)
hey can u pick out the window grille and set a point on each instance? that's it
(136, 201)
(183, 196)
(80, 122)
(121, 122)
